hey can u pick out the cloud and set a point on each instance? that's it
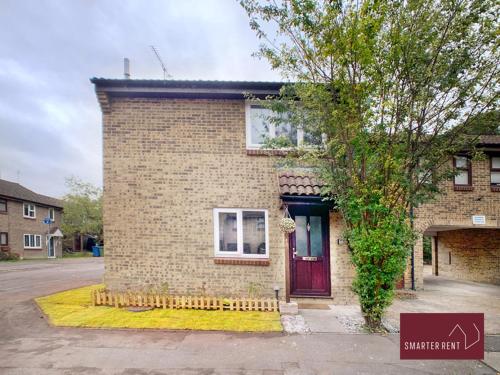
(50, 122)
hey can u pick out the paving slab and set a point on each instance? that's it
(493, 360)
(322, 321)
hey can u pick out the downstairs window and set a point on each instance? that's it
(32, 241)
(241, 233)
(4, 239)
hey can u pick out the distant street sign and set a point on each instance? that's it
(47, 220)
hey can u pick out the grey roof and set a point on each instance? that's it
(172, 83)
(147, 88)
(14, 190)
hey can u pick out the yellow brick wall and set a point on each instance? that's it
(169, 162)
(475, 255)
(167, 165)
(341, 268)
(455, 209)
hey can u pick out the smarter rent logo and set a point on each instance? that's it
(442, 336)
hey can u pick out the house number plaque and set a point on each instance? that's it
(310, 259)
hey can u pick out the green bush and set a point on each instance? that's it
(427, 250)
(8, 256)
(379, 252)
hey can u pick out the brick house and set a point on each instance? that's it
(192, 201)
(464, 222)
(22, 230)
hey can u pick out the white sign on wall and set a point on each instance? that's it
(478, 219)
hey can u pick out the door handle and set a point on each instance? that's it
(294, 252)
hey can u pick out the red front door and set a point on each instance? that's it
(309, 252)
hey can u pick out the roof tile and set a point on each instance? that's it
(299, 184)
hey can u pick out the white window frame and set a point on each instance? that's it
(6, 239)
(239, 233)
(29, 210)
(248, 127)
(6, 205)
(493, 170)
(468, 169)
(52, 214)
(272, 130)
(32, 245)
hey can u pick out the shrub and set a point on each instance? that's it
(427, 250)
(379, 253)
(7, 255)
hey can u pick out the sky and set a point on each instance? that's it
(50, 121)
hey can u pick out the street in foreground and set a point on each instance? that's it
(28, 345)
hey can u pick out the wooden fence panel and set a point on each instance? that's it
(105, 298)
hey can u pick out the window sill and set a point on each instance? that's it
(29, 217)
(5, 248)
(495, 188)
(279, 151)
(33, 248)
(463, 188)
(267, 152)
(242, 261)
(4, 212)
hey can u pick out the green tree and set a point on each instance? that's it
(427, 244)
(486, 123)
(82, 209)
(393, 85)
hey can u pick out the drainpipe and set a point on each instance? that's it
(412, 251)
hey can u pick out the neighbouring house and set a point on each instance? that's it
(464, 222)
(22, 227)
(192, 201)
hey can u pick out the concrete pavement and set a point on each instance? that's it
(28, 345)
(441, 294)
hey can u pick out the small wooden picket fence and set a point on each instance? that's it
(106, 298)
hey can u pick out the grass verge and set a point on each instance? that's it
(73, 308)
(78, 254)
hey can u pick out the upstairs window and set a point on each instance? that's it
(495, 171)
(260, 128)
(3, 205)
(424, 172)
(51, 214)
(462, 165)
(241, 233)
(29, 210)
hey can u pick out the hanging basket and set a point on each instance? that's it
(287, 225)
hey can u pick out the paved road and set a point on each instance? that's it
(28, 345)
(21, 281)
